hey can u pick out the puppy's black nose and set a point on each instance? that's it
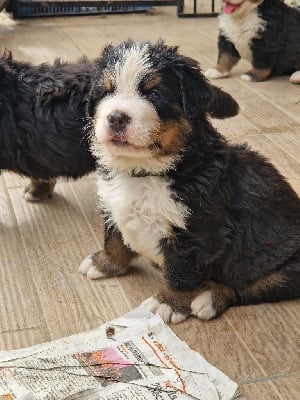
(117, 121)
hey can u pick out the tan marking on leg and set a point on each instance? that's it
(117, 252)
(226, 62)
(223, 296)
(39, 189)
(257, 75)
(257, 289)
(112, 261)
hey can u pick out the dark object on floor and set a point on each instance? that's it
(110, 332)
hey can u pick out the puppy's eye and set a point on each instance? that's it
(106, 93)
(99, 92)
(154, 94)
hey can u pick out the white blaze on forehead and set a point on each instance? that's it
(132, 67)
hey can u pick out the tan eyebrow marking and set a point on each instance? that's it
(107, 79)
(151, 82)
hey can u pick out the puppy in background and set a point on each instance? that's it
(42, 120)
(5, 19)
(264, 32)
(218, 219)
(42, 111)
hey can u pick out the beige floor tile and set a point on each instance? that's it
(43, 296)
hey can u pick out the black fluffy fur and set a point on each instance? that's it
(244, 224)
(277, 47)
(42, 119)
(42, 111)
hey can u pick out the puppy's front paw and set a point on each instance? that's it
(246, 77)
(88, 268)
(213, 73)
(295, 77)
(166, 313)
(98, 266)
(202, 306)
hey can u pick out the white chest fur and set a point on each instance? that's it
(144, 211)
(241, 30)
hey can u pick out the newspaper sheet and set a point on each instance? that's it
(135, 357)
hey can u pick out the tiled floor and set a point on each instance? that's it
(43, 297)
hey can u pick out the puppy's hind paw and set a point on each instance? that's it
(213, 73)
(163, 310)
(202, 306)
(39, 189)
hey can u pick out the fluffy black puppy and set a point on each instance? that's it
(265, 32)
(42, 110)
(219, 220)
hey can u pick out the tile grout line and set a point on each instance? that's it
(270, 100)
(281, 148)
(270, 378)
(253, 357)
(37, 297)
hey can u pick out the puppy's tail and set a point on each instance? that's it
(221, 104)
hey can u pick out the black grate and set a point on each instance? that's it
(28, 8)
(198, 8)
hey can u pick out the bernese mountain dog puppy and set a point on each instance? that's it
(218, 219)
(42, 120)
(264, 32)
(42, 111)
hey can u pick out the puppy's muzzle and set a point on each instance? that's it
(118, 122)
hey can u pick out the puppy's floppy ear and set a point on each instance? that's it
(221, 104)
(194, 86)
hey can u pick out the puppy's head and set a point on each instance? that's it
(237, 8)
(144, 101)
